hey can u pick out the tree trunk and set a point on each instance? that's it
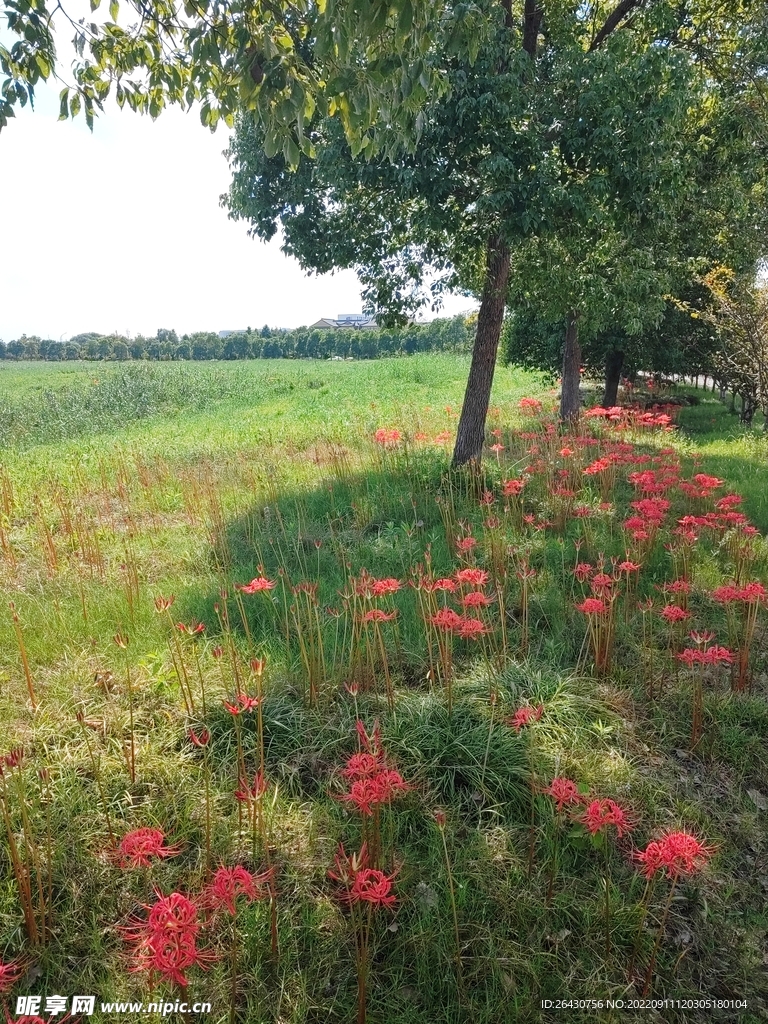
(570, 400)
(613, 364)
(471, 433)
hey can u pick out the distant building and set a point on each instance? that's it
(359, 320)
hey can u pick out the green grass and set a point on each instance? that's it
(184, 479)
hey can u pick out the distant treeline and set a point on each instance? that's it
(443, 335)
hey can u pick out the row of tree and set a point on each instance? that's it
(440, 335)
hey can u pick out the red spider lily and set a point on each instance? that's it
(137, 848)
(348, 865)
(709, 483)
(443, 584)
(582, 571)
(488, 496)
(371, 741)
(372, 886)
(728, 502)
(12, 759)
(474, 577)
(386, 586)
(677, 587)
(229, 883)
(162, 604)
(512, 488)
(258, 665)
(217, 651)
(200, 739)
(378, 615)
(711, 656)
(362, 766)
(524, 716)
(244, 703)
(701, 636)
(368, 793)
(121, 640)
(254, 791)
(674, 613)
(167, 941)
(353, 689)
(592, 606)
(256, 584)
(496, 448)
(531, 406)
(567, 452)
(628, 566)
(476, 599)
(386, 436)
(602, 813)
(464, 544)
(564, 792)
(191, 630)
(601, 582)
(471, 629)
(447, 619)
(10, 974)
(676, 853)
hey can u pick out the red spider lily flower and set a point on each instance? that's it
(471, 629)
(465, 543)
(244, 703)
(379, 615)
(10, 974)
(348, 865)
(677, 587)
(602, 813)
(728, 502)
(676, 853)
(582, 571)
(652, 858)
(137, 848)
(440, 817)
(726, 594)
(192, 630)
(564, 792)
(531, 406)
(709, 483)
(364, 794)
(352, 689)
(492, 523)
(254, 791)
(601, 581)
(372, 886)
(497, 448)
(512, 488)
(362, 766)
(701, 636)
(717, 655)
(386, 586)
(753, 592)
(385, 436)
(371, 741)
(258, 665)
(229, 883)
(256, 584)
(567, 452)
(476, 599)
(487, 498)
(690, 656)
(592, 606)
(474, 577)
(167, 941)
(121, 639)
(444, 584)
(217, 651)
(14, 758)
(446, 619)
(674, 613)
(200, 739)
(684, 853)
(391, 785)
(162, 604)
(524, 716)
(629, 566)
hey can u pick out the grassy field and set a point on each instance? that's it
(122, 487)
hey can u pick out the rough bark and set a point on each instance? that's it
(613, 364)
(570, 399)
(471, 433)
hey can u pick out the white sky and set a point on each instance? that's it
(121, 230)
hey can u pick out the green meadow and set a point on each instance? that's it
(135, 503)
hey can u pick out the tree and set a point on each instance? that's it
(569, 141)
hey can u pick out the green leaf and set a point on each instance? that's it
(95, 4)
(114, 7)
(64, 104)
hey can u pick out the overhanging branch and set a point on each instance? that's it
(613, 21)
